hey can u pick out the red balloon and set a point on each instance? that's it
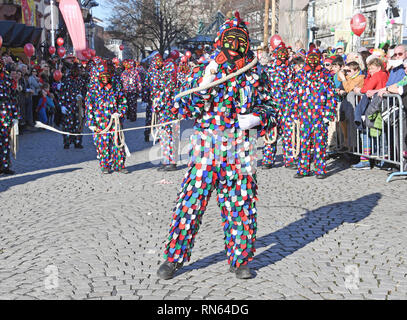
(174, 54)
(184, 59)
(29, 50)
(57, 75)
(121, 47)
(60, 42)
(86, 53)
(93, 52)
(61, 52)
(52, 50)
(358, 24)
(275, 41)
(202, 59)
(1, 41)
(188, 54)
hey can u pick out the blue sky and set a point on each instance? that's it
(102, 12)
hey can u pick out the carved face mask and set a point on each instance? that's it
(159, 63)
(235, 44)
(282, 54)
(313, 60)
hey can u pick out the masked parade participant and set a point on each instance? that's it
(132, 86)
(104, 100)
(221, 152)
(183, 71)
(152, 88)
(314, 106)
(278, 76)
(72, 91)
(163, 107)
(8, 119)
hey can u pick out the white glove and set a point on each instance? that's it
(64, 110)
(210, 73)
(326, 121)
(15, 125)
(93, 129)
(248, 121)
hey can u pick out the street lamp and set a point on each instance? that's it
(314, 33)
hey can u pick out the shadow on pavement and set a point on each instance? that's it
(15, 181)
(312, 226)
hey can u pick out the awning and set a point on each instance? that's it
(16, 35)
(25, 37)
(36, 36)
(6, 28)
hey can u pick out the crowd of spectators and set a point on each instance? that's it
(360, 78)
(34, 89)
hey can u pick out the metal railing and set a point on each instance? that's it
(380, 136)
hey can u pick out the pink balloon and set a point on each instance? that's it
(275, 41)
(29, 50)
(1, 41)
(188, 54)
(358, 24)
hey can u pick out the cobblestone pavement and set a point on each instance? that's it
(68, 232)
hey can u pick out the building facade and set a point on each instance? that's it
(293, 21)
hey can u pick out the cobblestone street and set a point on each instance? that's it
(69, 232)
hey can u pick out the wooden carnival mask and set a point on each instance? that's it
(313, 60)
(282, 53)
(234, 46)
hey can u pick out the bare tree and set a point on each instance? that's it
(152, 23)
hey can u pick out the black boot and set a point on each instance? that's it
(66, 146)
(298, 176)
(146, 137)
(291, 167)
(243, 272)
(168, 269)
(8, 172)
(171, 167)
(78, 146)
(162, 167)
(268, 166)
(124, 171)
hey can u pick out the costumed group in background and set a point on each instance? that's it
(276, 101)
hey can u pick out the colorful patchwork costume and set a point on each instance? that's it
(152, 88)
(314, 105)
(221, 153)
(132, 87)
(278, 77)
(72, 118)
(105, 98)
(168, 134)
(8, 115)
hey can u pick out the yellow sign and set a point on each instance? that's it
(28, 12)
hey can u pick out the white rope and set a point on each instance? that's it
(44, 126)
(218, 82)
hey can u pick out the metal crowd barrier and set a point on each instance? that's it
(385, 147)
